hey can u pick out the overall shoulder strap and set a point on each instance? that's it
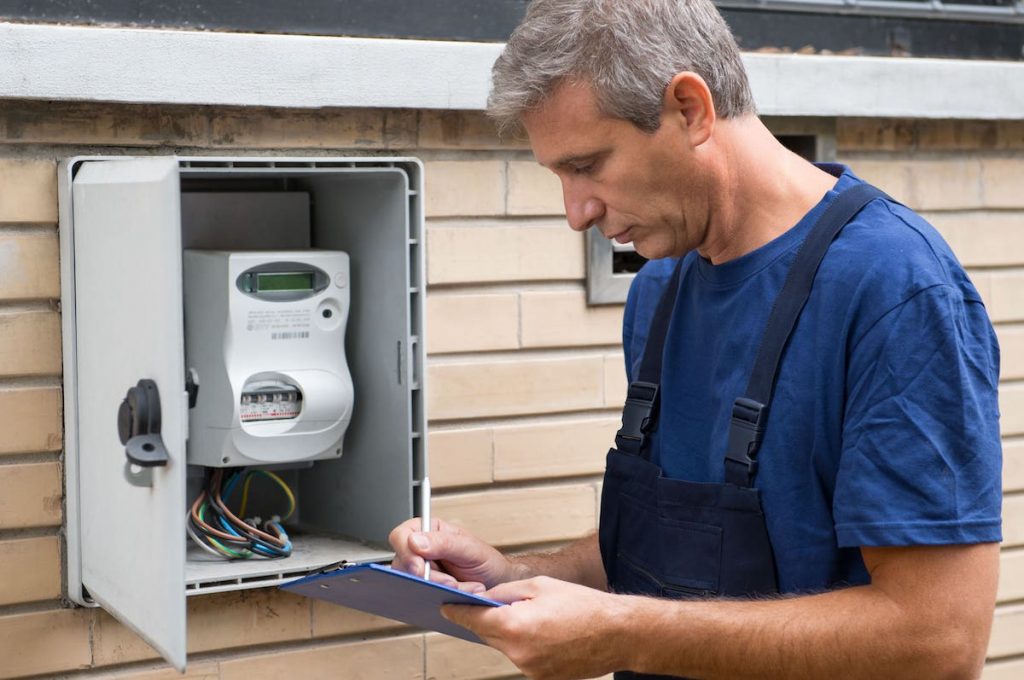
(750, 412)
(641, 409)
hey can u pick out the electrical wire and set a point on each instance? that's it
(200, 542)
(218, 530)
(280, 482)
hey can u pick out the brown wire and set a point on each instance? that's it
(208, 527)
(227, 511)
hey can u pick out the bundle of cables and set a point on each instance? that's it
(221, 532)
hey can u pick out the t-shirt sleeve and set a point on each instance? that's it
(921, 452)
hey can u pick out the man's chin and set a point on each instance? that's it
(648, 250)
(654, 251)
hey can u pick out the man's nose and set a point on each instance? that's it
(582, 209)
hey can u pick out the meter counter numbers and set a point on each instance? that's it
(270, 404)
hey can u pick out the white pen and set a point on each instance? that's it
(425, 516)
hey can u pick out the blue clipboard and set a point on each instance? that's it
(387, 592)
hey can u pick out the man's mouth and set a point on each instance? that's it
(622, 236)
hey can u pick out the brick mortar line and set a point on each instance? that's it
(30, 532)
(441, 358)
(491, 418)
(548, 483)
(515, 356)
(17, 382)
(556, 221)
(29, 458)
(47, 228)
(434, 154)
(550, 217)
(523, 419)
(527, 421)
(31, 608)
(29, 305)
(976, 210)
(17, 377)
(508, 285)
(451, 290)
(993, 661)
(931, 154)
(997, 269)
(517, 484)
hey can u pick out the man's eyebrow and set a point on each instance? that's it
(576, 159)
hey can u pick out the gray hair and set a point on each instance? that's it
(628, 50)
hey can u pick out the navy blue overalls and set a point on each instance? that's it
(679, 539)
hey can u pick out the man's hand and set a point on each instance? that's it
(461, 559)
(551, 629)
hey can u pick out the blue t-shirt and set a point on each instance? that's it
(884, 426)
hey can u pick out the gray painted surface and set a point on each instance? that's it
(74, 63)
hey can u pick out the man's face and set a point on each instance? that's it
(632, 186)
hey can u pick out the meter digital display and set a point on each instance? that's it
(274, 281)
(283, 281)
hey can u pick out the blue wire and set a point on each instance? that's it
(255, 545)
(261, 549)
(230, 485)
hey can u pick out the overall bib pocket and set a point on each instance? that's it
(686, 555)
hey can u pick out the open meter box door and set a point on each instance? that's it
(127, 228)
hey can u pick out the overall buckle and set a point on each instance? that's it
(746, 430)
(638, 415)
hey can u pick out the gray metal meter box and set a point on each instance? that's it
(128, 227)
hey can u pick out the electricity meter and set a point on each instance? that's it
(265, 334)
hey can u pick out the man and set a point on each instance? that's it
(850, 530)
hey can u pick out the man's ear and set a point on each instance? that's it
(687, 103)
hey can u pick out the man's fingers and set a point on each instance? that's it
(438, 576)
(513, 591)
(430, 546)
(410, 564)
(472, 587)
(468, 616)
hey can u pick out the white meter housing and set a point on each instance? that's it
(265, 333)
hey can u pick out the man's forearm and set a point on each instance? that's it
(894, 629)
(855, 633)
(578, 562)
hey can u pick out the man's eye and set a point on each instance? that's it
(584, 169)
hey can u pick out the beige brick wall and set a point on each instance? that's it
(525, 379)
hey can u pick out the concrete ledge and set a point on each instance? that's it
(78, 63)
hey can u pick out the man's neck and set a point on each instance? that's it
(762, 191)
